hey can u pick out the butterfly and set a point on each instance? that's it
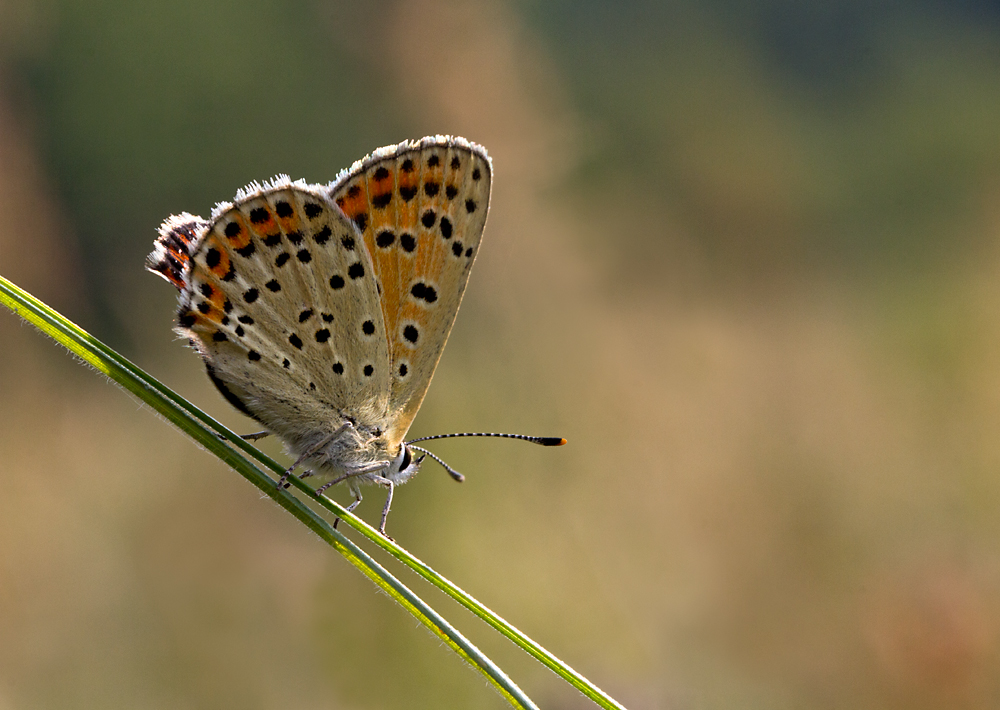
(321, 311)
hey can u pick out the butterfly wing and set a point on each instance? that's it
(421, 207)
(280, 298)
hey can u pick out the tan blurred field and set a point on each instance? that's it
(764, 308)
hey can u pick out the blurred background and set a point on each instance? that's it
(744, 256)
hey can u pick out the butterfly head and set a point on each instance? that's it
(404, 466)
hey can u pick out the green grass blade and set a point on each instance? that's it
(207, 432)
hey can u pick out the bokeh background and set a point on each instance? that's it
(744, 256)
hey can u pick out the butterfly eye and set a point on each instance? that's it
(404, 466)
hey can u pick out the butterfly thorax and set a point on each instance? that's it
(361, 455)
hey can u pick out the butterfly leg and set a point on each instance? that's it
(351, 507)
(312, 450)
(359, 471)
(388, 502)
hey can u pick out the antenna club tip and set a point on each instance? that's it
(552, 441)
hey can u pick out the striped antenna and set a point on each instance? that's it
(542, 440)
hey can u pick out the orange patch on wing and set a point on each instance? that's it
(409, 183)
(290, 223)
(261, 218)
(237, 238)
(380, 188)
(223, 265)
(217, 300)
(354, 201)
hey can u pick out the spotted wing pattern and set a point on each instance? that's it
(279, 296)
(421, 207)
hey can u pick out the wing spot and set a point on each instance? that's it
(295, 340)
(327, 317)
(239, 331)
(305, 315)
(354, 191)
(468, 252)
(428, 218)
(382, 200)
(338, 368)
(369, 370)
(206, 290)
(381, 173)
(408, 192)
(204, 307)
(247, 251)
(273, 286)
(283, 208)
(304, 256)
(286, 364)
(403, 369)
(245, 320)
(356, 270)
(451, 192)
(411, 333)
(362, 221)
(476, 174)
(259, 215)
(433, 161)
(322, 335)
(282, 259)
(407, 166)
(219, 337)
(348, 242)
(368, 328)
(470, 206)
(336, 282)
(424, 292)
(313, 210)
(253, 356)
(456, 248)
(250, 295)
(186, 320)
(272, 240)
(385, 239)
(295, 237)
(233, 230)
(455, 163)
(213, 257)
(446, 228)
(322, 236)
(408, 243)
(432, 188)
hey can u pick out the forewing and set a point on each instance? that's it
(421, 207)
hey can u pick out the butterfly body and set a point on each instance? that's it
(322, 310)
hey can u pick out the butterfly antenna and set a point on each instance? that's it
(454, 474)
(542, 440)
